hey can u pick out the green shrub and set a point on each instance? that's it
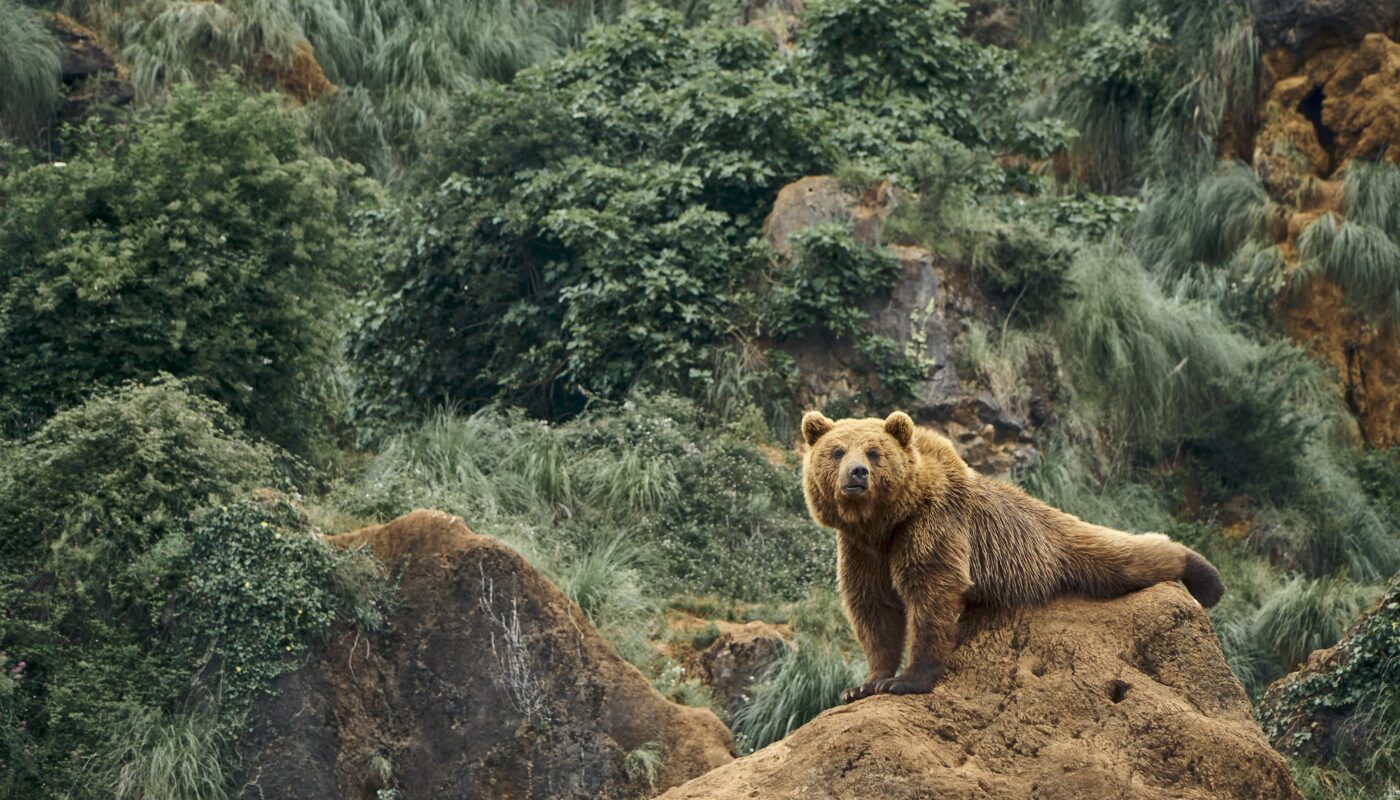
(205, 241)
(822, 285)
(628, 181)
(29, 61)
(266, 584)
(121, 608)
(1345, 711)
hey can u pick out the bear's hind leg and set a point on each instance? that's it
(1103, 562)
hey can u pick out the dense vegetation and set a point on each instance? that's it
(513, 269)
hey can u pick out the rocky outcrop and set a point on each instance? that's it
(1083, 699)
(924, 313)
(1332, 97)
(1321, 712)
(88, 70)
(737, 658)
(487, 682)
(1297, 26)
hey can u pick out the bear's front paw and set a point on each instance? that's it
(864, 690)
(915, 680)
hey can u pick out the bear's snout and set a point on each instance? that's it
(857, 480)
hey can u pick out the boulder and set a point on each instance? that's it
(1337, 101)
(1081, 699)
(736, 659)
(1322, 712)
(486, 682)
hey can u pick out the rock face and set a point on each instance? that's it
(1332, 97)
(1298, 25)
(731, 664)
(488, 682)
(88, 70)
(924, 314)
(1083, 699)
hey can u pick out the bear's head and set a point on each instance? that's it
(857, 471)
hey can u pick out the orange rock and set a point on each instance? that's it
(1082, 699)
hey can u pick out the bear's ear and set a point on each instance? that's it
(901, 427)
(814, 425)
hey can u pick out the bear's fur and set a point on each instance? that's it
(920, 534)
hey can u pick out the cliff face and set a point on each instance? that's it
(1332, 70)
(1083, 699)
(487, 682)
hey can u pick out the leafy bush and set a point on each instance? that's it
(29, 62)
(205, 242)
(265, 585)
(628, 181)
(119, 608)
(819, 289)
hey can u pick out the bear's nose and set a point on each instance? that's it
(860, 472)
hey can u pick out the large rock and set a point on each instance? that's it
(738, 658)
(1323, 712)
(488, 682)
(1299, 25)
(924, 313)
(1125, 698)
(1328, 104)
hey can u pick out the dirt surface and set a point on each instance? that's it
(1125, 698)
(488, 682)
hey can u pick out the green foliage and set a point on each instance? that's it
(265, 585)
(205, 242)
(1145, 360)
(1363, 259)
(627, 181)
(1151, 86)
(618, 506)
(396, 64)
(801, 683)
(29, 61)
(1093, 216)
(1353, 693)
(119, 608)
(643, 764)
(820, 288)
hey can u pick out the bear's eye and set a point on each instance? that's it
(873, 455)
(838, 454)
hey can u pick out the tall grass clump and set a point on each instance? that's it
(803, 682)
(29, 63)
(395, 63)
(1194, 223)
(1143, 361)
(1152, 86)
(1361, 258)
(175, 757)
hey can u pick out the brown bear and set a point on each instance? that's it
(920, 534)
